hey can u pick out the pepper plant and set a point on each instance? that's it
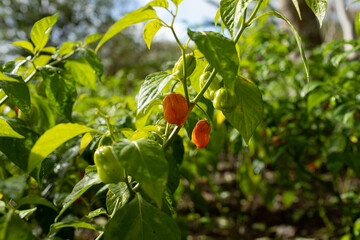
(136, 168)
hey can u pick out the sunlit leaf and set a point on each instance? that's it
(319, 8)
(150, 29)
(41, 31)
(52, 139)
(24, 44)
(7, 131)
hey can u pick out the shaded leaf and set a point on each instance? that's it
(140, 220)
(248, 112)
(90, 179)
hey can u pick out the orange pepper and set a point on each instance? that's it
(200, 134)
(175, 109)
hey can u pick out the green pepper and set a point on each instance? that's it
(190, 66)
(224, 100)
(108, 167)
(214, 86)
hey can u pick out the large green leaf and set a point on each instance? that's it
(231, 12)
(144, 159)
(7, 131)
(141, 221)
(41, 31)
(82, 72)
(249, 107)
(140, 15)
(60, 91)
(297, 38)
(18, 92)
(90, 179)
(92, 38)
(13, 187)
(151, 88)
(319, 8)
(52, 139)
(150, 29)
(219, 51)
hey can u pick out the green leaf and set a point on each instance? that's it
(248, 112)
(13, 187)
(7, 131)
(26, 213)
(357, 23)
(41, 31)
(55, 227)
(17, 150)
(52, 139)
(60, 91)
(90, 179)
(297, 38)
(296, 5)
(150, 29)
(24, 44)
(13, 228)
(93, 60)
(117, 196)
(66, 48)
(177, 2)
(151, 88)
(5, 77)
(50, 50)
(144, 159)
(219, 51)
(319, 8)
(82, 72)
(315, 98)
(159, 3)
(36, 200)
(92, 38)
(231, 12)
(140, 15)
(141, 221)
(217, 18)
(18, 93)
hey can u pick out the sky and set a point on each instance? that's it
(191, 14)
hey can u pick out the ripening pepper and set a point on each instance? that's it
(214, 86)
(175, 109)
(224, 100)
(200, 134)
(190, 66)
(108, 167)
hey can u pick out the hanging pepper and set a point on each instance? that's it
(200, 134)
(224, 100)
(175, 109)
(108, 167)
(190, 66)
